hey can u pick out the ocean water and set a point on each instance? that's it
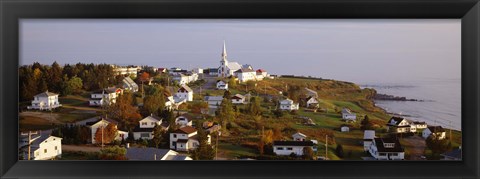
(441, 105)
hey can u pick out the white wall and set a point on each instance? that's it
(53, 147)
(298, 150)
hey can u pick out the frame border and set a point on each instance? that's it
(13, 10)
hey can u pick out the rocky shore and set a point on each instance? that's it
(387, 97)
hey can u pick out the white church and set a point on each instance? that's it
(242, 72)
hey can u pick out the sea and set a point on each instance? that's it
(440, 100)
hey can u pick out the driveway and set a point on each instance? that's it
(415, 145)
(81, 148)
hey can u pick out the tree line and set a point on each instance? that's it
(69, 79)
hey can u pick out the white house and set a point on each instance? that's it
(185, 139)
(183, 79)
(289, 147)
(104, 96)
(183, 120)
(400, 125)
(419, 125)
(129, 70)
(299, 137)
(222, 85)
(348, 115)
(185, 92)
(244, 75)
(103, 122)
(197, 70)
(44, 147)
(144, 130)
(238, 99)
(368, 136)
(288, 104)
(151, 154)
(45, 101)
(312, 102)
(386, 149)
(436, 131)
(214, 101)
(261, 74)
(129, 85)
(344, 128)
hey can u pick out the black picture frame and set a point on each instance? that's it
(466, 10)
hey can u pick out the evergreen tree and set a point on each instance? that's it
(158, 133)
(339, 150)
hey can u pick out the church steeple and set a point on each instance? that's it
(224, 52)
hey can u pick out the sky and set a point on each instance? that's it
(361, 51)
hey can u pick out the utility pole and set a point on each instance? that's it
(30, 133)
(103, 126)
(216, 146)
(326, 147)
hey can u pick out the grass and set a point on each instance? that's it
(230, 150)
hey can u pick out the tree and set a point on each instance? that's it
(198, 107)
(227, 95)
(366, 124)
(157, 135)
(437, 146)
(55, 77)
(124, 112)
(226, 112)
(75, 84)
(308, 153)
(254, 107)
(108, 136)
(204, 151)
(113, 153)
(339, 150)
(154, 103)
(232, 83)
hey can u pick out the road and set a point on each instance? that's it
(210, 83)
(416, 146)
(81, 148)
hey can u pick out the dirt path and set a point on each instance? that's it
(416, 146)
(81, 148)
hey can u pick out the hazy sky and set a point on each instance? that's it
(353, 50)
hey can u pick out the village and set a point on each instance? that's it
(230, 112)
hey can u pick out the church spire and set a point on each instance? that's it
(224, 53)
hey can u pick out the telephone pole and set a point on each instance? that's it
(326, 147)
(30, 133)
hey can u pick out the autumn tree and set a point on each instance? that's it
(154, 103)
(55, 77)
(254, 107)
(265, 140)
(308, 153)
(106, 135)
(158, 133)
(232, 83)
(124, 112)
(198, 107)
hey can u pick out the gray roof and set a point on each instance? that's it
(46, 94)
(457, 154)
(213, 98)
(145, 153)
(38, 141)
(244, 70)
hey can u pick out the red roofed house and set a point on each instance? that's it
(185, 139)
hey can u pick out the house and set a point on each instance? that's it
(400, 125)
(149, 154)
(103, 122)
(214, 101)
(162, 70)
(455, 154)
(197, 70)
(310, 93)
(183, 79)
(289, 147)
(344, 128)
(418, 125)
(45, 101)
(185, 92)
(386, 149)
(238, 99)
(261, 74)
(299, 137)
(104, 96)
(43, 147)
(368, 136)
(222, 85)
(128, 70)
(311, 102)
(183, 120)
(288, 104)
(348, 115)
(176, 71)
(211, 71)
(436, 131)
(145, 128)
(245, 75)
(185, 139)
(129, 85)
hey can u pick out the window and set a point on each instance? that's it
(45, 151)
(289, 148)
(153, 123)
(279, 148)
(394, 154)
(382, 154)
(174, 135)
(144, 123)
(56, 148)
(144, 135)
